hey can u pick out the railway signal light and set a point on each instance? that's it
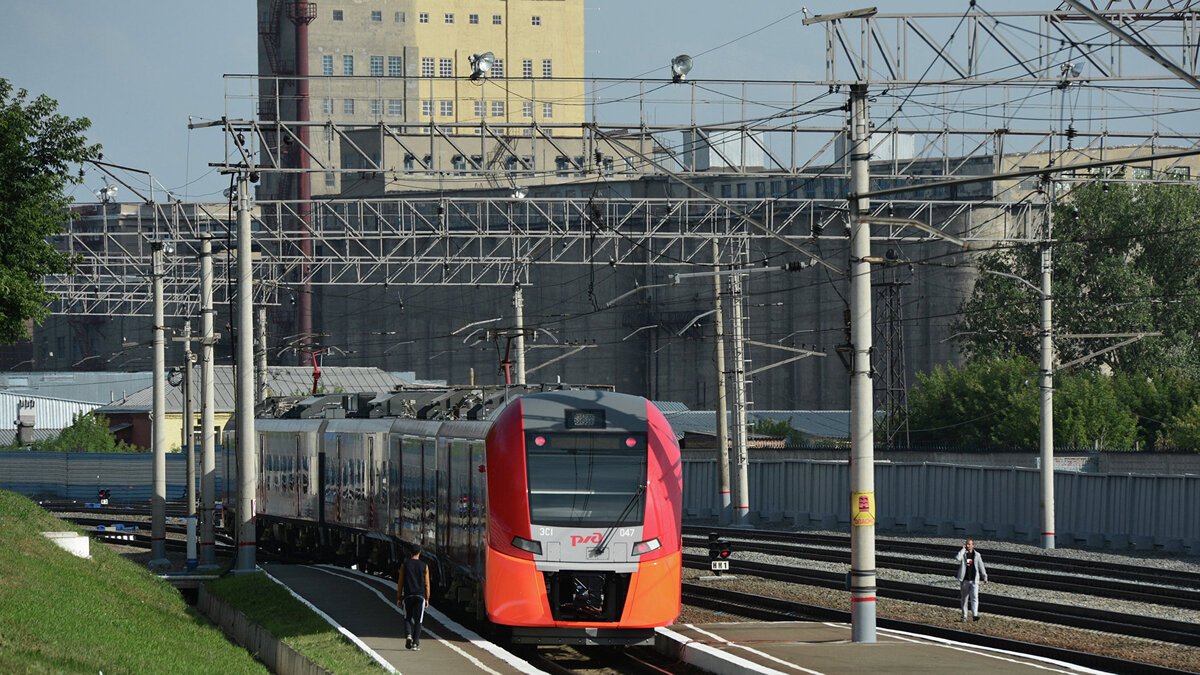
(104, 497)
(718, 552)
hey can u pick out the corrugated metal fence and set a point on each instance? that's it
(1116, 510)
(80, 475)
(1102, 510)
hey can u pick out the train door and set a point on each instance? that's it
(444, 491)
(429, 487)
(372, 479)
(339, 479)
(395, 474)
(410, 489)
(297, 484)
(476, 525)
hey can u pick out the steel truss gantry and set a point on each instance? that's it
(399, 241)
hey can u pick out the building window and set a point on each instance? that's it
(547, 68)
(445, 67)
(423, 17)
(547, 110)
(449, 18)
(395, 66)
(741, 190)
(527, 68)
(527, 109)
(426, 66)
(337, 15)
(347, 65)
(480, 109)
(537, 20)
(330, 179)
(498, 68)
(376, 107)
(427, 108)
(497, 108)
(377, 16)
(497, 19)
(474, 18)
(327, 64)
(447, 108)
(376, 66)
(348, 106)
(395, 107)
(327, 106)
(399, 17)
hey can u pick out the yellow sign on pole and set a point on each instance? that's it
(862, 509)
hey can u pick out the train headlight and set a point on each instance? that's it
(528, 545)
(643, 547)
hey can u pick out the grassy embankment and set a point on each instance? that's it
(64, 614)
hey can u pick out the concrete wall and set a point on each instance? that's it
(278, 656)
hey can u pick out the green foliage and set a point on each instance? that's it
(1184, 431)
(779, 428)
(64, 614)
(88, 433)
(1087, 412)
(996, 403)
(38, 149)
(1157, 400)
(985, 402)
(1126, 259)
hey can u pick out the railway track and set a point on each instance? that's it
(1166, 630)
(1084, 578)
(568, 660)
(1075, 567)
(767, 608)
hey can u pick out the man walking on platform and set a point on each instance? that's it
(970, 572)
(413, 594)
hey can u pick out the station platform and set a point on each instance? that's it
(825, 648)
(363, 608)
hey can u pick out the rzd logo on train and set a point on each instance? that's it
(593, 538)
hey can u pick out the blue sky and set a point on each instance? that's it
(138, 69)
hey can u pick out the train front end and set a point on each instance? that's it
(584, 492)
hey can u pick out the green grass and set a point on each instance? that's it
(270, 605)
(64, 614)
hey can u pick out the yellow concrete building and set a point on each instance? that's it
(403, 68)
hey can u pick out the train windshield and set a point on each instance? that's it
(586, 479)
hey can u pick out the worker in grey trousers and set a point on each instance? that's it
(970, 573)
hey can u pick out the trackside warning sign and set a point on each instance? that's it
(862, 509)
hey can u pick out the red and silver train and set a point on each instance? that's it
(558, 517)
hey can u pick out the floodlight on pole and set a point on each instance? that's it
(107, 193)
(680, 66)
(481, 64)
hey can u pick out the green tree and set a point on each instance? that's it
(779, 428)
(984, 402)
(1157, 399)
(88, 433)
(1126, 259)
(38, 150)
(1088, 413)
(996, 403)
(1183, 433)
